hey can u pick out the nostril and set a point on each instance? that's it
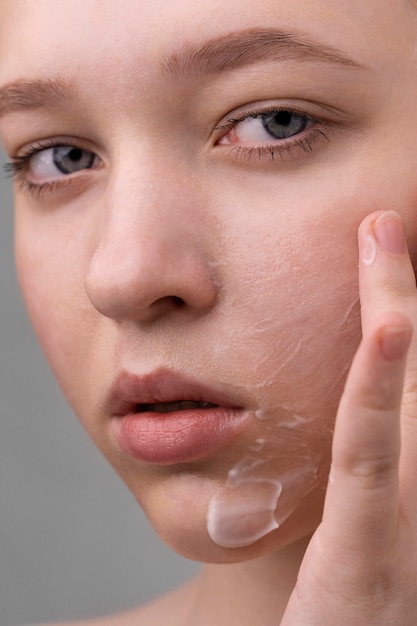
(168, 303)
(179, 302)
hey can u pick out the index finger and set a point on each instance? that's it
(363, 493)
(387, 283)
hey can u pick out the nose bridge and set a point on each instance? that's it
(150, 211)
(134, 223)
(151, 249)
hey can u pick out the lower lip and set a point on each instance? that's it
(177, 437)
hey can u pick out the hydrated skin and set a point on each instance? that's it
(253, 504)
(265, 487)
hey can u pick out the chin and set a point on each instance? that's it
(179, 514)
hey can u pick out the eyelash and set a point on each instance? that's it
(304, 141)
(16, 169)
(17, 166)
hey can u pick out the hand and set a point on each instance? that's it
(360, 568)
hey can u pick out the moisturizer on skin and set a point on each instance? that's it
(257, 497)
(243, 514)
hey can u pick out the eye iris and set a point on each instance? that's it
(69, 159)
(284, 124)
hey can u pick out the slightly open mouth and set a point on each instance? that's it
(169, 407)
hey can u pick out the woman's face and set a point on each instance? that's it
(186, 232)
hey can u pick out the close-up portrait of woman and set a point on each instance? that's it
(215, 215)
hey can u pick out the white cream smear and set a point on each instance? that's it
(252, 503)
(239, 519)
(282, 466)
(264, 488)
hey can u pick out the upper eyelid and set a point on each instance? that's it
(41, 145)
(229, 122)
(23, 156)
(315, 110)
(232, 122)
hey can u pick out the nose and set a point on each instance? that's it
(151, 254)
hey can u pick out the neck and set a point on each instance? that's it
(249, 593)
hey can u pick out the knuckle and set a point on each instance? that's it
(384, 397)
(376, 588)
(372, 470)
(403, 288)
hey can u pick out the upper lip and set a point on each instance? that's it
(130, 390)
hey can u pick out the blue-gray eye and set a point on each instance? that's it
(69, 159)
(284, 124)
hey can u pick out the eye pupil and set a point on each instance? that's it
(284, 118)
(75, 154)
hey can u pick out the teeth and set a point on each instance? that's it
(168, 407)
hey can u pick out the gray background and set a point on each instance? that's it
(73, 541)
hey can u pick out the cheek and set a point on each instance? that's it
(50, 275)
(291, 306)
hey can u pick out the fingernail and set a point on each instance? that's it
(395, 341)
(389, 233)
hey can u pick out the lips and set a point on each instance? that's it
(164, 418)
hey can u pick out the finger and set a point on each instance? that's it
(387, 282)
(386, 276)
(361, 508)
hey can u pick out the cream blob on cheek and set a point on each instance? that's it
(239, 519)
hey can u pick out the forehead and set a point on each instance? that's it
(38, 38)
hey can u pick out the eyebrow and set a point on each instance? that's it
(217, 55)
(24, 95)
(248, 47)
